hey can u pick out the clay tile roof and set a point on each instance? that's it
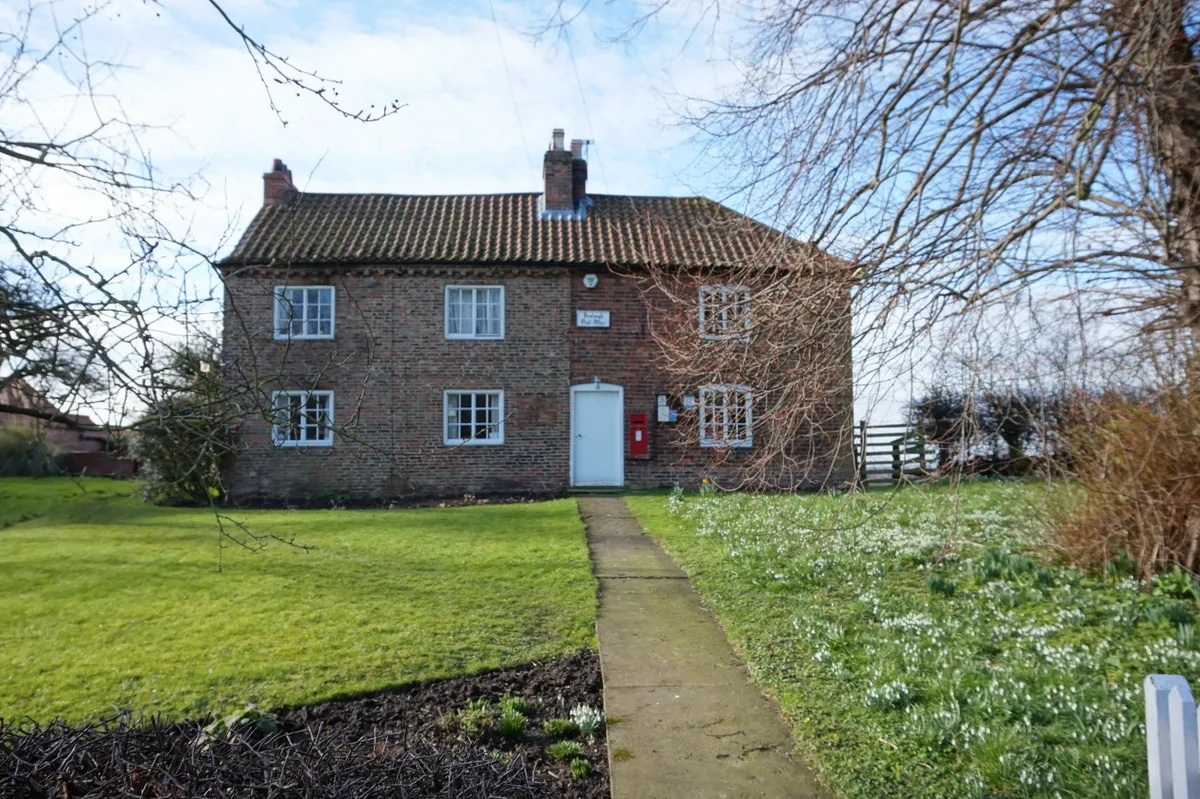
(503, 229)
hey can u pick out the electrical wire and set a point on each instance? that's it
(511, 93)
(583, 98)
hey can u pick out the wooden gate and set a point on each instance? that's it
(888, 454)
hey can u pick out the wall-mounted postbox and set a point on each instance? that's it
(639, 435)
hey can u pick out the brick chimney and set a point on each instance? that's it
(277, 184)
(557, 172)
(578, 172)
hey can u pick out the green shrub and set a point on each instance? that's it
(559, 728)
(941, 585)
(183, 447)
(1175, 612)
(26, 452)
(185, 441)
(564, 750)
(581, 769)
(1122, 565)
(522, 706)
(512, 723)
(1000, 564)
(250, 724)
(1177, 584)
(477, 719)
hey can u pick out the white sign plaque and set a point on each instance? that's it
(591, 318)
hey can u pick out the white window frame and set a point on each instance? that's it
(725, 390)
(283, 329)
(723, 293)
(473, 442)
(280, 441)
(472, 335)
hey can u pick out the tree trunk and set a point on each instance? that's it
(1172, 85)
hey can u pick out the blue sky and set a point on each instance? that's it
(481, 97)
(459, 130)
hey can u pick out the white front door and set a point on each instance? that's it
(597, 435)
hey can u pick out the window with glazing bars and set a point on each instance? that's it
(725, 418)
(303, 418)
(474, 417)
(725, 313)
(475, 312)
(303, 312)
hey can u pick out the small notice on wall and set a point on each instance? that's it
(591, 318)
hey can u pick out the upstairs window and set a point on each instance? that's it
(475, 312)
(302, 418)
(303, 312)
(474, 417)
(725, 419)
(724, 313)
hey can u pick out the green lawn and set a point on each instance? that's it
(923, 644)
(108, 603)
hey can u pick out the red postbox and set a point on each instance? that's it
(639, 435)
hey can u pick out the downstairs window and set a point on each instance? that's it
(725, 418)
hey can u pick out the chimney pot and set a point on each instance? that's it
(556, 139)
(278, 188)
(577, 148)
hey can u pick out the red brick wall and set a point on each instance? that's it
(624, 354)
(390, 362)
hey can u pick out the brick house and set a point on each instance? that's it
(401, 346)
(81, 446)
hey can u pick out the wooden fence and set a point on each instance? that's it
(1172, 741)
(889, 454)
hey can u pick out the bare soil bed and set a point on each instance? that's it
(440, 738)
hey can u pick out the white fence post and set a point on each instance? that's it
(1172, 739)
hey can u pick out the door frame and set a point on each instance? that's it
(618, 433)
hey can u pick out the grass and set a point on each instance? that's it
(927, 643)
(109, 603)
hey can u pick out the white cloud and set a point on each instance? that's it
(188, 76)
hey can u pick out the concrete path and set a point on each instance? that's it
(691, 724)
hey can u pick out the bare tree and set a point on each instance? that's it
(956, 156)
(104, 288)
(71, 321)
(763, 348)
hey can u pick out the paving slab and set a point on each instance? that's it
(690, 721)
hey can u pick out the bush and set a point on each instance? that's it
(941, 585)
(1010, 432)
(26, 452)
(559, 728)
(185, 442)
(183, 449)
(249, 724)
(564, 750)
(477, 719)
(512, 723)
(1137, 464)
(522, 706)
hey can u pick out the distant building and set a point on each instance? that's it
(90, 452)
